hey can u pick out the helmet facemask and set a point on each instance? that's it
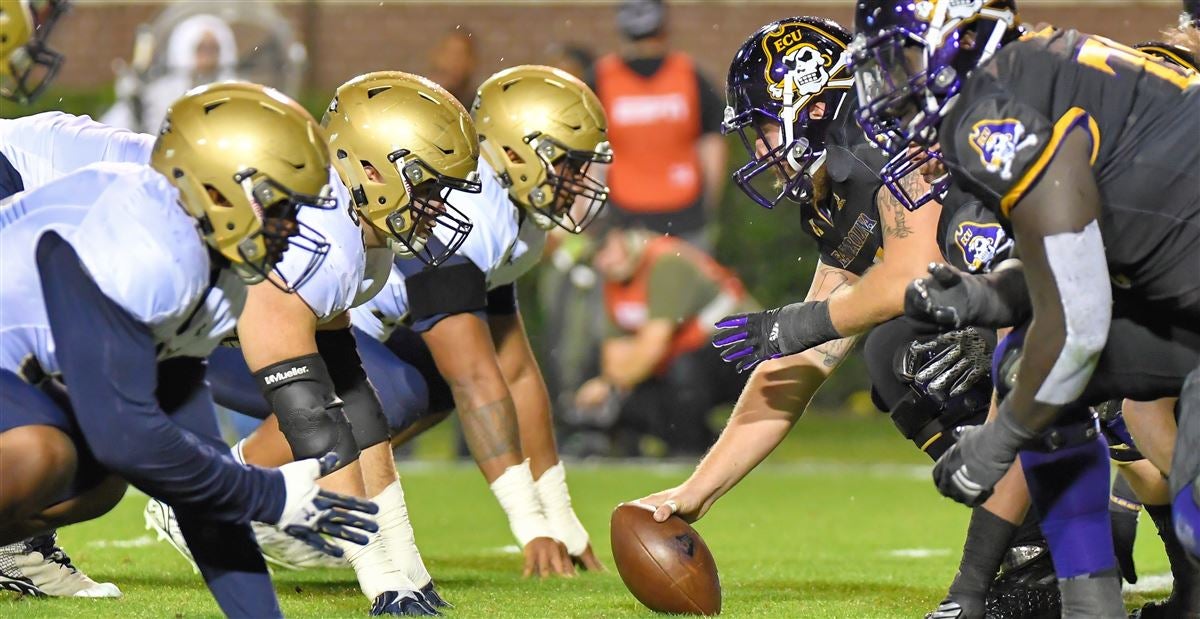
(908, 70)
(782, 155)
(427, 207)
(31, 67)
(570, 197)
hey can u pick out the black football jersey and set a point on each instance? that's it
(846, 226)
(1144, 119)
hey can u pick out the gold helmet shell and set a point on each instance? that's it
(245, 158)
(27, 65)
(540, 129)
(401, 143)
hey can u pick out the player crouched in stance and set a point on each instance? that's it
(1022, 125)
(121, 279)
(400, 144)
(790, 98)
(453, 333)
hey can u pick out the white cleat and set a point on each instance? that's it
(290, 553)
(160, 518)
(38, 567)
(277, 547)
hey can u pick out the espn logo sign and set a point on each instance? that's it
(271, 379)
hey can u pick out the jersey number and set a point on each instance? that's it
(1104, 55)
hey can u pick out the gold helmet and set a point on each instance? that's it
(245, 159)
(401, 143)
(540, 129)
(26, 64)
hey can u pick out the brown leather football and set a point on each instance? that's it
(665, 565)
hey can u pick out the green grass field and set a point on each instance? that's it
(841, 522)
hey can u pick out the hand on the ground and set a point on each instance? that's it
(545, 556)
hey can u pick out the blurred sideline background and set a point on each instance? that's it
(123, 54)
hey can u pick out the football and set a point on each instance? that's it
(666, 565)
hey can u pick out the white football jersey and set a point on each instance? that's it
(45, 146)
(140, 247)
(499, 244)
(335, 285)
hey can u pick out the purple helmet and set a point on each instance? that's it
(903, 96)
(775, 81)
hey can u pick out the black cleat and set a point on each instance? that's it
(1026, 587)
(433, 598)
(402, 603)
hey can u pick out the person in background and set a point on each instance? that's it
(454, 61)
(201, 49)
(665, 121)
(662, 296)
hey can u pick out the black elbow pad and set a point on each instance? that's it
(359, 398)
(310, 416)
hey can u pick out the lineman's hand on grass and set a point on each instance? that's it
(674, 501)
(546, 556)
(587, 561)
(309, 512)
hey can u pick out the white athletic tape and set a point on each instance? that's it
(1080, 270)
(517, 496)
(556, 504)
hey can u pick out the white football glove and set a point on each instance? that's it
(310, 512)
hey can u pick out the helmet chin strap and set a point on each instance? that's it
(401, 250)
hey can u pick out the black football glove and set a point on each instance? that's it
(969, 470)
(952, 298)
(960, 359)
(750, 339)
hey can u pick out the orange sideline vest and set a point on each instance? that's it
(628, 306)
(653, 126)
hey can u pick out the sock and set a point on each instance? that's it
(238, 454)
(1183, 566)
(376, 572)
(397, 534)
(1097, 596)
(988, 538)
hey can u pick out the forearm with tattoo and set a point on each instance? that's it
(491, 429)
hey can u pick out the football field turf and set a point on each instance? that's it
(842, 521)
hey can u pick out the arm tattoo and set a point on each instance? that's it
(491, 429)
(900, 230)
(833, 352)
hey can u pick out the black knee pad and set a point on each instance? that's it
(310, 416)
(359, 399)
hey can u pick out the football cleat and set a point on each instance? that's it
(290, 553)
(160, 518)
(1026, 587)
(402, 603)
(434, 598)
(38, 567)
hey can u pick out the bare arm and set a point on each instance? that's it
(1057, 233)
(461, 345)
(909, 246)
(275, 326)
(528, 388)
(776, 395)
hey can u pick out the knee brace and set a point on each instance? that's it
(310, 416)
(1069, 486)
(359, 398)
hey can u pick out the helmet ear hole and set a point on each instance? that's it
(217, 197)
(513, 156)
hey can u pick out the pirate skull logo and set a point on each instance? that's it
(806, 73)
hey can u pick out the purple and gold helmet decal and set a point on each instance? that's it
(997, 143)
(980, 243)
(785, 85)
